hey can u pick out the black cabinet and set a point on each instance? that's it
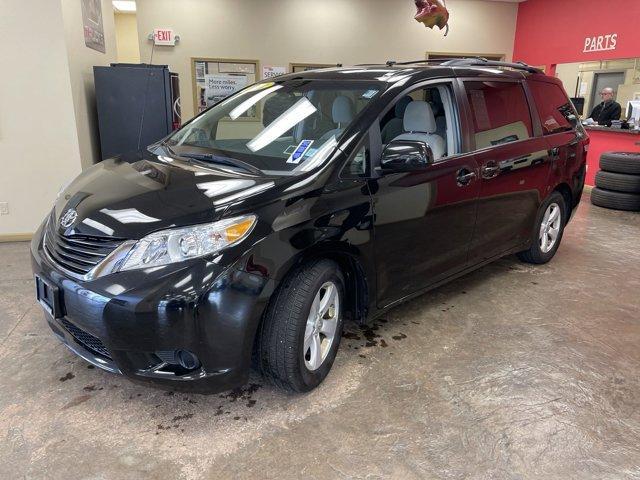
(137, 105)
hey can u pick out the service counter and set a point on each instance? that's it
(605, 139)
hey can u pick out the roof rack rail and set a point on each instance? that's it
(463, 62)
(391, 63)
(479, 61)
(423, 60)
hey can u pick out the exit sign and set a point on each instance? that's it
(164, 36)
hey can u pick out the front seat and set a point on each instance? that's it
(342, 112)
(394, 127)
(420, 125)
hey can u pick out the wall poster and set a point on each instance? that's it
(215, 79)
(92, 24)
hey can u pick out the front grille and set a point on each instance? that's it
(87, 340)
(77, 253)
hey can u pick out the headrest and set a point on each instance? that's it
(401, 106)
(436, 102)
(419, 118)
(342, 110)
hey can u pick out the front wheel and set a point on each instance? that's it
(548, 230)
(299, 336)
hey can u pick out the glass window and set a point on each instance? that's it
(358, 164)
(553, 107)
(500, 112)
(300, 123)
(427, 114)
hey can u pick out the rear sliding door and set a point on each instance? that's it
(513, 164)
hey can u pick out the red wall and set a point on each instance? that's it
(549, 32)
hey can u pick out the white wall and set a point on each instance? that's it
(278, 32)
(127, 38)
(81, 62)
(38, 139)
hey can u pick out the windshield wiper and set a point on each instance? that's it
(231, 162)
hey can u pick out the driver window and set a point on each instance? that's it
(427, 114)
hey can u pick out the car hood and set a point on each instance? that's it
(131, 197)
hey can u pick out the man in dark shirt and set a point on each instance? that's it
(608, 110)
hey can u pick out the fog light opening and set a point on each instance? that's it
(187, 360)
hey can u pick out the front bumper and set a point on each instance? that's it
(119, 322)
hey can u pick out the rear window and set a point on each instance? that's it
(553, 107)
(500, 112)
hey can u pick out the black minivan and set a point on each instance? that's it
(252, 233)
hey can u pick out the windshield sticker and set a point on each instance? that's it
(296, 156)
(311, 152)
(370, 93)
(289, 150)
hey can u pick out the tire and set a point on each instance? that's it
(621, 162)
(281, 336)
(618, 182)
(540, 253)
(615, 200)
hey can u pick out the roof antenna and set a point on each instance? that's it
(146, 91)
(391, 63)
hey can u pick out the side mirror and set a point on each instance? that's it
(406, 156)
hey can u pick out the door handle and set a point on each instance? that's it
(554, 152)
(490, 170)
(464, 177)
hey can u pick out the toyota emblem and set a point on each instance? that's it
(68, 218)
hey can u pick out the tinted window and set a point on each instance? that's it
(500, 112)
(553, 106)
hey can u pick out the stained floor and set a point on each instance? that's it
(514, 371)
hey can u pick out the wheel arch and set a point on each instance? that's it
(565, 190)
(352, 265)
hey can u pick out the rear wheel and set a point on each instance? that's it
(300, 333)
(548, 230)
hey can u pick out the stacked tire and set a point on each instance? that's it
(618, 181)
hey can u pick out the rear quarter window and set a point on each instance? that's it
(553, 107)
(500, 112)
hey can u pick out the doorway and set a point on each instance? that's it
(604, 80)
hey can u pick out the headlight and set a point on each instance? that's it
(176, 245)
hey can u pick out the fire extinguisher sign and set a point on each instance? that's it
(164, 36)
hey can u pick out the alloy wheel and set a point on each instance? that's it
(322, 324)
(550, 228)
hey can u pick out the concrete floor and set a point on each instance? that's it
(513, 371)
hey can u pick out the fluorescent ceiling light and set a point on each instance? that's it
(247, 104)
(124, 6)
(285, 122)
(244, 193)
(220, 187)
(129, 215)
(98, 226)
(320, 156)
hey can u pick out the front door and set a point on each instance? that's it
(424, 220)
(423, 225)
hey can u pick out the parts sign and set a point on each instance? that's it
(601, 43)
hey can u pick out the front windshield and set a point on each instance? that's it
(282, 128)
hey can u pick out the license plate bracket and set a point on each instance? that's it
(48, 296)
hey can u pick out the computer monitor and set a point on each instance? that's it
(633, 111)
(578, 102)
